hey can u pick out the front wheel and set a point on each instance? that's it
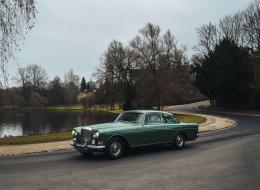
(179, 141)
(115, 148)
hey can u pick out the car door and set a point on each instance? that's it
(154, 131)
(171, 126)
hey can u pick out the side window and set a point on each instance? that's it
(169, 119)
(154, 118)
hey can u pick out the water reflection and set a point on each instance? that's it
(11, 130)
(30, 122)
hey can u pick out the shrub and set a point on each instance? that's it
(36, 100)
(87, 100)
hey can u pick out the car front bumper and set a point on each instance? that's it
(87, 147)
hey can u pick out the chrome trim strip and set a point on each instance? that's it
(95, 147)
(158, 143)
(99, 147)
(74, 144)
(81, 145)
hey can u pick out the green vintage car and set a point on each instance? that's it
(133, 129)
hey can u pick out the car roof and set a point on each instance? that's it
(146, 111)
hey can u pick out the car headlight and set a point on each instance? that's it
(96, 135)
(74, 133)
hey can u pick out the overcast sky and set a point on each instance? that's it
(75, 33)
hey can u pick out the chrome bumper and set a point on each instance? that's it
(87, 146)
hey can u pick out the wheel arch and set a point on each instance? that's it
(183, 134)
(127, 146)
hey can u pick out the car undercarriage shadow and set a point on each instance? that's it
(135, 153)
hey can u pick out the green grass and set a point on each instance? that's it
(107, 108)
(97, 107)
(56, 107)
(64, 107)
(191, 119)
(54, 137)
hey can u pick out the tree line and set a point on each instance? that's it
(34, 89)
(152, 70)
(226, 67)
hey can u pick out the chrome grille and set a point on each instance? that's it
(86, 134)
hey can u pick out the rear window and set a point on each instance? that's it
(169, 118)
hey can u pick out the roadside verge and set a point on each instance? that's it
(13, 150)
(212, 123)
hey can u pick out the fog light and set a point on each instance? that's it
(74, 133)
(93, 141)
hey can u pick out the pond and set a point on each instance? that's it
(34, 122)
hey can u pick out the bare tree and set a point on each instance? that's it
(140, 70)
(252, 24)
(71, 82)
(106, 72)
(33, 76)
(56, 91)
(160, 55)
(148, 46)
(70, 77)
(208, 38)
(174, 56)
(16, 19)
(117, 68)
(124, 63)
(38, 76)
(252, 33)
(231, 27)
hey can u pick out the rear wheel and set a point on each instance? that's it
(179, 141)
(115, 148)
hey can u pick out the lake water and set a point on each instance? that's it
(33, 122)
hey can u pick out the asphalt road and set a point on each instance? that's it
(226, 159)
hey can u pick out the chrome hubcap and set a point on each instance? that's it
(115, 148)
(179, 141)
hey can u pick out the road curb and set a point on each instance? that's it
(230, 113)
(222, 129)
(213, 123)
(35, 153)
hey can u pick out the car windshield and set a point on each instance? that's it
(132, 117)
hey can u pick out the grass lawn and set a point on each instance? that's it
(191, 119)
(54, 137)
(65, 107)
(56, 107)
(106, 108)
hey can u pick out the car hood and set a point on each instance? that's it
(107, 126)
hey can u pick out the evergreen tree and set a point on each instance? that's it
(83, 85)
(224, 74)
(88, 87)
